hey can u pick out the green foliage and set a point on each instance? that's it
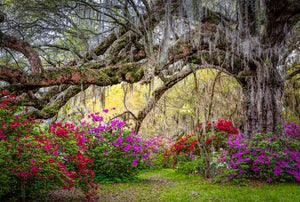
(196, 166)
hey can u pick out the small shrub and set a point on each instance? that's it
(196, 166)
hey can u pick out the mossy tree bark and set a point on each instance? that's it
(263, 91)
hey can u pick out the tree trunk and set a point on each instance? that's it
(207, 166)
(204, 151)
(263, 91)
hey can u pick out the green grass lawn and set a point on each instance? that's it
(167, 185)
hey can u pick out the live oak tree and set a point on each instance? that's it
(52, 50)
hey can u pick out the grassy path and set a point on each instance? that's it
(166, 185)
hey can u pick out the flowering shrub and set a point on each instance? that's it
(292, 131)
(182, 149)
(186, 148)
(266, 156)
(217, 133)
(118, 153)
(67, 143)
(158, 146)
(33, 160)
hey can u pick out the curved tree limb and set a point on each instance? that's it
(158, 92)
(23, 47)
(123, 114)
(52, 108)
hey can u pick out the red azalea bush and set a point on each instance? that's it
(32, 160)
(214, 136)
(184, 145)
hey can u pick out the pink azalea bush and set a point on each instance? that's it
(158, 146)
(33, 160)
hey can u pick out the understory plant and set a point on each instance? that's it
(33, 160)
(194, 152)
(265, 157)
(158, 146)
(211, 138)
(118, 153)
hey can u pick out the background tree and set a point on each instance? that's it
(54, 50)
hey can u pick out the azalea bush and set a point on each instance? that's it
(69, 144)
(210, 137)
(292, 131)
(118, 153)
(158, 146)
(33, 160)
(182, 150)
(217, 133)
(266, 156)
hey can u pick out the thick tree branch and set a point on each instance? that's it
(281, 17)
(87, 74)
(52, 108)
(151, 19)
(23, 47)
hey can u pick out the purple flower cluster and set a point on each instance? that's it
(292, 131)
(95, 117)
(266, 156)
(117, 140)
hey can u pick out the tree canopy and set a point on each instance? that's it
(52, 50)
